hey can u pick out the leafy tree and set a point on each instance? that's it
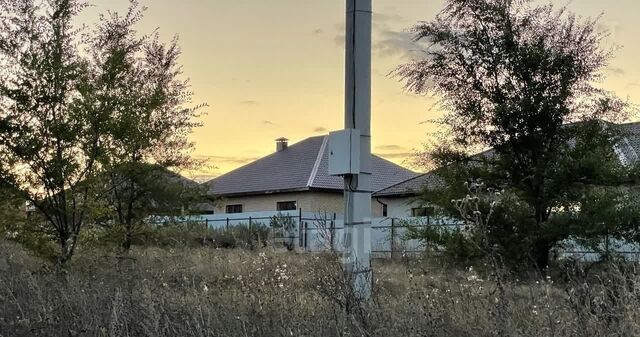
(51, 134)
(76, 108)
(149, 128)
(519, 79)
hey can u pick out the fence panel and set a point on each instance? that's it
(311, 232)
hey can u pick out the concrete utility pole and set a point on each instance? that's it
(357, 255)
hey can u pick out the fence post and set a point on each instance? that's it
(332, 232)
(206, 223)
(393, 238)
(227, 224)
(300, 242)
(306, 231)
(249, 224)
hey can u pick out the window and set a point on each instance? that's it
(286, 206)
(422, 211)
(384, 210)
(233, 209)
(208, 212)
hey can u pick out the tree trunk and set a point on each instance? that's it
(67, 248)
(541, 254)
(128, 238)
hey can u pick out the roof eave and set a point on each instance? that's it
(257, 193)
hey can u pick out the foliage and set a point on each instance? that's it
(519, 79)
(148, 125)
(176, 233)
(286, 227)
(78, 107)
(50, 131)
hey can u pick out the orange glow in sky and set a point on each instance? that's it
(274, 68)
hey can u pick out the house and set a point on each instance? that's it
(400, 197)
(296, 178)
(399, 200)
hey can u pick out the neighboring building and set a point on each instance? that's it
(400, 198)
(296, 178)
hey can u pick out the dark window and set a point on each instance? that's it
(233, 209)
(384, 210)
(286, 206)
(422, 211)
(207, 212)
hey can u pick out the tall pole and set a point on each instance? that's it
(357, 255)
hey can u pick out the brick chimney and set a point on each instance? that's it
(281, 144)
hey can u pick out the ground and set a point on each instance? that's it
(215, 292)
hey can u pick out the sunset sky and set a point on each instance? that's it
(274, 68)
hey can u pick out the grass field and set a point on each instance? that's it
(210, 292)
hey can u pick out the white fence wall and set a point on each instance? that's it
(316, 232)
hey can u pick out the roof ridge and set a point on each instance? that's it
(420, 175)
(316, 165)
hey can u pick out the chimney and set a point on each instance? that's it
(281, 144)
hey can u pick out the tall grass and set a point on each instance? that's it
(214, 292)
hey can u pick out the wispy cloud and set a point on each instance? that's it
(320, 129)
(249, 102)
(398, 155)
(616, 71)
(387, 40)
(317, 31)
(395, 43)
(391, 147)
(227, 160)
(267, 122)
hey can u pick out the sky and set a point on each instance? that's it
(275, 68)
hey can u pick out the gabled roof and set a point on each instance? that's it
(628, 151)
(411, 186)
(300, 167)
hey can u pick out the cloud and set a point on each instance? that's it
(320, 129)
(399, 155)
(232, 160)
(394, 43)
(633, 85)
(317, 31)
(385, 19)
(266, 122)
(391, 147)
(249, 102)
(387, 41)
(615, 71)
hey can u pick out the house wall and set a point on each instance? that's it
(308, 201)
(313, 202)
(396, 207)
(317, 202)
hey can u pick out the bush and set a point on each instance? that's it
(180, 234)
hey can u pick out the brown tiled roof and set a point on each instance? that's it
(300, 167)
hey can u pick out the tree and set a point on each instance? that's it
(149, 128)
(518, 79)
(76, 108)
(51, 135)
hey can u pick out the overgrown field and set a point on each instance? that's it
(215, 292)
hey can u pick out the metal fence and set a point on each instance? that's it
(323, 231)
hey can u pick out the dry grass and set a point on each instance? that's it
(208, 292)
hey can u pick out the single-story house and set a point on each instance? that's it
(400, 196)
(296, 177)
